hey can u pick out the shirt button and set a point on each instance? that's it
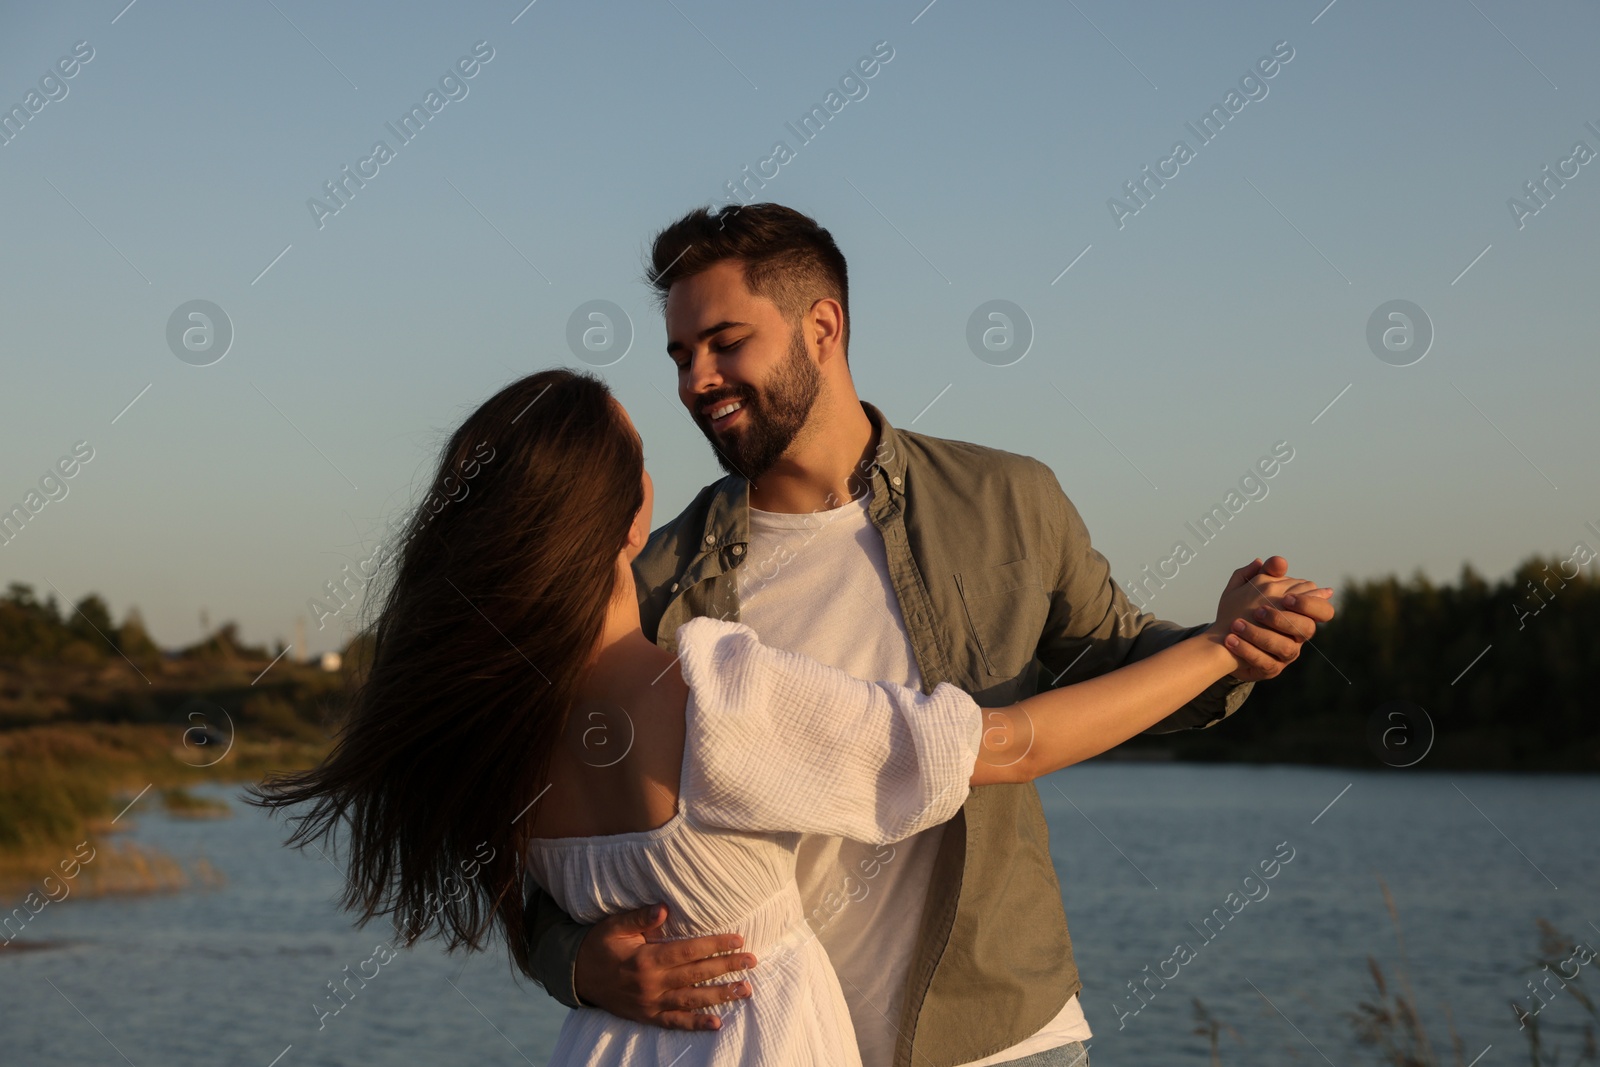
(896, 481)
(711, 539)
(738, 550)
(674, 587)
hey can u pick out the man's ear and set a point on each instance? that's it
(825, 323)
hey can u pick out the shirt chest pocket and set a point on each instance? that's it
(1006, 609)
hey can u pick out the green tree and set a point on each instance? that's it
(91, 621)
(134, 640)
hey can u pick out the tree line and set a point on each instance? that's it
(42, 631)
(1506, 672)
(1491, 675)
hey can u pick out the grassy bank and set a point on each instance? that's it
(98, 725)
(63, 785)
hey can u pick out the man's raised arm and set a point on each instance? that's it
(1094, 628)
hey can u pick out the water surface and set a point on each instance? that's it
(239, 975)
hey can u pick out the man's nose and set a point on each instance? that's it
(703, 375)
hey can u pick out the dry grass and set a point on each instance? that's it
(62, 785)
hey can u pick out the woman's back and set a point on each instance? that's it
(617, 767)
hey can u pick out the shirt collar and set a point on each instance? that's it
(891, 455)
(728, 517)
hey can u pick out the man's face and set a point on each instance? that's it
(744, 371)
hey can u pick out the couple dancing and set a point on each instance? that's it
(756, 788)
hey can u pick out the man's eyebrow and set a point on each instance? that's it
(674, 347)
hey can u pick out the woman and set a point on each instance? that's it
(515, 721)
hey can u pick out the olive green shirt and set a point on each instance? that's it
(1003, 596)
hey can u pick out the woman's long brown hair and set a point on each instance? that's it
(496, 601)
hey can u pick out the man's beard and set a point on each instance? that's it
(773, 418)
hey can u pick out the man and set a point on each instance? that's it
(894, 556)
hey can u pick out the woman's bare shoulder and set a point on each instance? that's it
(616, 767)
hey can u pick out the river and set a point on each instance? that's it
(1146, 853)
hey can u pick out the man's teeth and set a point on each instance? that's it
(726, 409)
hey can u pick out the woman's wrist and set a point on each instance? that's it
(1214, 640)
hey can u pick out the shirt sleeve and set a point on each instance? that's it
(1093, 628)
(778, 742)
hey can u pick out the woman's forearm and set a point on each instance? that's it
(1053, 730)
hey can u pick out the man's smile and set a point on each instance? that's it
(723, 413)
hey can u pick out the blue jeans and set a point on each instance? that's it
(1072, 1054)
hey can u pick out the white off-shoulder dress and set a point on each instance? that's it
(777, 745)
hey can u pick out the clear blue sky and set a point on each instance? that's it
(1221, 318)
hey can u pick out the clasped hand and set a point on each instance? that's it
(1264, 617)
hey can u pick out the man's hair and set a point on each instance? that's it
(787, 257)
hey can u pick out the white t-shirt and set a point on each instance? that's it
(819, 584)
